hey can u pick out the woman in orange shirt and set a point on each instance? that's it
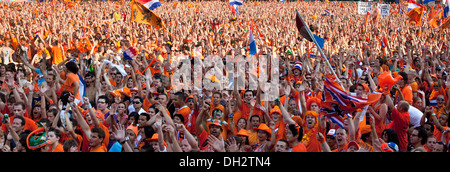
(71, 83)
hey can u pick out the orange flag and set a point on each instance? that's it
(367, 17)
(415, 15)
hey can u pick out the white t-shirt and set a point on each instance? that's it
(414, 116)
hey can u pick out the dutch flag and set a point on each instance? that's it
(129, 53)
(412, 4)
(150, 4)
(236, 2)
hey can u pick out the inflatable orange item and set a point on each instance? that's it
(386, 81)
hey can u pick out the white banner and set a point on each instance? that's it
(364, 7)
(384, 9)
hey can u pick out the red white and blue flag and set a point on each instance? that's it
(236, 2)
(130, 53)
(336, 103)
(150, 4)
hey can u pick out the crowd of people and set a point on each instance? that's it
(66, 86)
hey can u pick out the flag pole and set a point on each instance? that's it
(318, 47)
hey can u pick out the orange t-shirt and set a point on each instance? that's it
(99, 149)
(65, 137)
(245, 111)
(414, 86)
(68, 84)
(252, 137)
(400, 124)
(146, 105)
(438, 134)
(407, 94)
(58, 148)
(280, 128)
(299, 148)
(237, 115)
(310, 140)
(57, 55)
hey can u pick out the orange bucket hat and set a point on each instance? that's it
(275, 109)
(265, 128)
(125, 91)
(115, 93)
(242, 132)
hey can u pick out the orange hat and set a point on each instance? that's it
(216, 122)
(154, 137)
(242, 132)
(115, 93)
(313, 113)
(135, 89)
(156, 93)
(353, 143)
(265, 128)
(190, 97)
(275, 109)
(125, 91)
(134, 129)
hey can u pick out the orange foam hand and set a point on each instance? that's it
(386, 81)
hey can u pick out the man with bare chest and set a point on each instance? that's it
(91, 91)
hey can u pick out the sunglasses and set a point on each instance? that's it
(136, 102)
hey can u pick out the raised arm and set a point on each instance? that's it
(286, 115)
(200, 121)
(82, 123)
(187, 135)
